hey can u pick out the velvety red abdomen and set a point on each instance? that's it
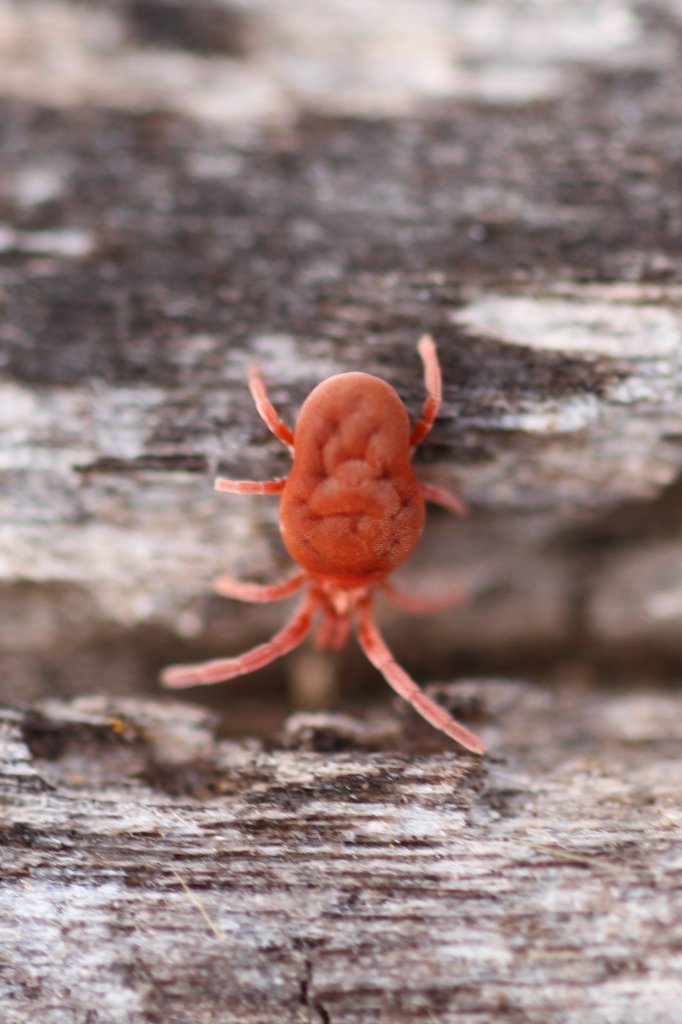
(352, 506)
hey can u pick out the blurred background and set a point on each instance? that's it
(188, 186)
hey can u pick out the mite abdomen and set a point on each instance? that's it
(352, 505)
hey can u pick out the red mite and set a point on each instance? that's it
(351, 511)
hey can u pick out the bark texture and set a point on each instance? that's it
(188, 187)
(288, 188)
(350, 873)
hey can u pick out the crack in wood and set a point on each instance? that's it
(305, 998)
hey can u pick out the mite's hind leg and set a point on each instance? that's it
(426, 604)
(295, 631)
(332, 632)
(266, 409)
(325, 630)
(378, 653)
(434, 387)
(241, 590)
(341, 631)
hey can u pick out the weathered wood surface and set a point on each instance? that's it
(153, 873)
(187, 187)
(311, 189)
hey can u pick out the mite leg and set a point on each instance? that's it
(298, 627)
(266, 409)
(240, 590)
(341, 631)
(439, 496)
(432, 379)
(333, 632)
(250, 486)
(325, 631)
(428, 604)
(378, 653)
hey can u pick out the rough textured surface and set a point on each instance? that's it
(152, 873)
(190, 186)
(513, 187)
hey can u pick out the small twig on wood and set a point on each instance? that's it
(196, 902)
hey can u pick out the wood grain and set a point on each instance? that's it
(152, 872)
(187, 188)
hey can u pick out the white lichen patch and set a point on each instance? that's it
(551, 418)
(18, 406)
(32, 186)
(344, 56)
(66, 427)
(278, 356)
(353, 56)
(666, 603)
(602, 325)
(637, 718)
(86, 57)
(385, 56)
(73, 243)
(541, 30)
(623, 434)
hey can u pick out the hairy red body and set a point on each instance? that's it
(352, 507)
(351, 511)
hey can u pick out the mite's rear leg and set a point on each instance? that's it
(448, 500)
(434, 387)
(298, 627)
(266, 409)
(378, 653)
(341, 631)
(241, 590)
(426, 604)
(325, 630)
(332, 632)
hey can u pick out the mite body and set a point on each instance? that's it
(351, 511)
(352, 508)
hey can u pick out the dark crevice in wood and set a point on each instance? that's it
(175, 462)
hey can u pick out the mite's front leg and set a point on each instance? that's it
(266, 409)
(434, 389)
